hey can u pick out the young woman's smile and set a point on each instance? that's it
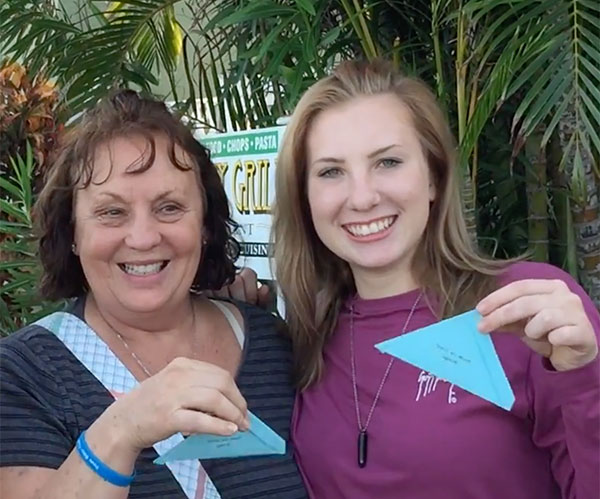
(371, 230)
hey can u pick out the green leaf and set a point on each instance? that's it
(20, 264)
(188, 74)
(502, 29)
(540, 61)
(257, 9)
(218, 18)
(542, 80)
(143, 73)
(15, 228)
(132, 75)
(591, 52)
(490, 95)
(11, 188)
(307, 6)
(545, 103)
(590, 36)
(594, 71)
(590, 130)
(588, 16)
(588, 4)
(331, 36)
(12, 211)
(277, 58)
(587, 85)
(96, 12)
(22, 246)
(269, 40)
(25, 175)
(557, 116)
(24, 283)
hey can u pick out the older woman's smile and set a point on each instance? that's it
(143, 269)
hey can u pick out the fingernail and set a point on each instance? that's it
(232, 428)
(245, 426)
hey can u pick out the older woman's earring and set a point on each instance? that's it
(74, 248)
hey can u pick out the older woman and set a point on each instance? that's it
(370, 244)
(133, 218)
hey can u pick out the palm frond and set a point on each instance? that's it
(548, 53)
(128, 43)
(20, 269)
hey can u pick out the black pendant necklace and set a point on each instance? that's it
(363, 442)
(363, 436)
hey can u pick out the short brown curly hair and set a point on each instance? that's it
(125, 113)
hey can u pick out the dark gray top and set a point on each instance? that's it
(47, 398)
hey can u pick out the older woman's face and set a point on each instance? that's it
(139, 236)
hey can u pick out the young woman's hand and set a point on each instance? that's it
(549, 317)
(246, 288)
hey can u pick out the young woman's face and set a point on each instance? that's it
(139, 236)
(369, 187)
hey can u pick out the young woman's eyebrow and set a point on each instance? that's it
(376, 152)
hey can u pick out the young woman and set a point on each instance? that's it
(371, 244)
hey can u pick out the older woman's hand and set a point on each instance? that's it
(187, 396)
(548, 315)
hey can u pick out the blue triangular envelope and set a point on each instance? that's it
(259, 440)
(455, 351)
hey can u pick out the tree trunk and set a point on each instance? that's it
(587, 234)
(469, 204)
(562, 243)
(537, 196)
(586, 214)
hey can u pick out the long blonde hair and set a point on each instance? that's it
(313, 280)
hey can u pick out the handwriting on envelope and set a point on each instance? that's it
(259, 440)
(452, 356)
(454, 350)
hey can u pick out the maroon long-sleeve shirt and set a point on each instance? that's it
(429, 439)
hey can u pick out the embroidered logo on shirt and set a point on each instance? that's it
(427, 383)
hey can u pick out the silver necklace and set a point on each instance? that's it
(363, 438)
(133, 354)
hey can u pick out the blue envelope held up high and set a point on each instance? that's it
(259, 440)
(455, 351)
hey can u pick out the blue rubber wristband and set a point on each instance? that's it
(98, 467)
